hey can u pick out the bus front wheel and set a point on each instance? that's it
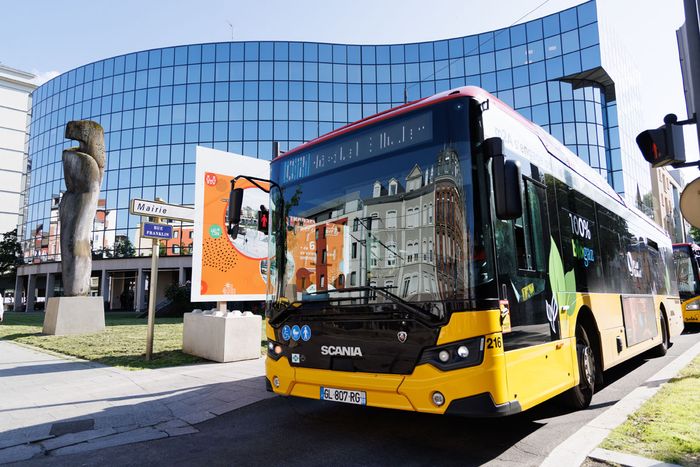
(579, 397)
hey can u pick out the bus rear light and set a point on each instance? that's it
(276, 381)
(460, 354)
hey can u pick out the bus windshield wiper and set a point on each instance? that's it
(419, 312)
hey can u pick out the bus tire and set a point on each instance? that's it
(661, 349)
(580, 396)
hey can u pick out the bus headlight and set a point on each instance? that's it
(694, 305)
(274, 350)
(456, 355)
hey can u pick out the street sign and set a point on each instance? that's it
(158, 231)
(690, 203)
(141, 207)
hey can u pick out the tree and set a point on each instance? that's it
(695, 233)
(10, 253)
(123, 248)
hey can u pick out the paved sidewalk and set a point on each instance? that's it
(51, 405)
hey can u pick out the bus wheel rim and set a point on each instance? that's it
(588, 366)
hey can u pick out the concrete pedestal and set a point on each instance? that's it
(222, 336)
(74, 315)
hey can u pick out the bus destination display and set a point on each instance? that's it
(380, 140)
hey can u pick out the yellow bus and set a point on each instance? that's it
(449, 256)
(686, 257)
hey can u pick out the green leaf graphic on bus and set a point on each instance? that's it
(563, 285)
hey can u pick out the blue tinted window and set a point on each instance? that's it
(535, 51)
(569, 41)
(486, 42)
(503, 59)
(551, 25)
(555, 68)
(471, 45)
(572, 63)
(426, 51)
(208, 53)
(517, 35)
(504, 79)
(310, 52)
(266, 51)
(397, 54)
(411, 52)
(339, 54)
(353, 52)
(520, 76)
(589, 35)
(488, 82)
(441, 50)
(488, 62)
(325, 53)
(534, 30)
(502, 38)
(471, 65)
(586, 13)
(456, 48)
(519, 55)
(568, 20)
(368, 56)
(552, 47)
(251, 51)
(590, 57)
(537, 72)
(281, 51)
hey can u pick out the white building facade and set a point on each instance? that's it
(15, 112)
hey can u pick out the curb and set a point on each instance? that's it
(576, 448)
(620, 458)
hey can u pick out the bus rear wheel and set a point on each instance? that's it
(580, 396)
(661, 349)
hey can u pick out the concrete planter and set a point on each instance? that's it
(74, 315)
(222, 336)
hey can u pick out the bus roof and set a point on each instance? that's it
(552, 145)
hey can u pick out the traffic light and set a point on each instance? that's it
(263, 219)
(664, 145)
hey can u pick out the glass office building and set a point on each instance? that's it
(157, 105)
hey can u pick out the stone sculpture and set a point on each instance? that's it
(83, 168)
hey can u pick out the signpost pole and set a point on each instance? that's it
(152, 286)
(153, 283)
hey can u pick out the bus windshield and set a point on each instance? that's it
(397, 206)
(686, 271)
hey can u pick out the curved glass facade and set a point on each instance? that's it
(157, 105)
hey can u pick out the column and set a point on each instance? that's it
(19, 287)
(50, 282)
(140, 286)
(104, 285)
(31, 292)
(182, 276)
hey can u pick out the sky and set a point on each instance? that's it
(48, 37)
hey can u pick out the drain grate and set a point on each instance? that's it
(74, 426)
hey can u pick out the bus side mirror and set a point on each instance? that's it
(235, 201)
(506, 181)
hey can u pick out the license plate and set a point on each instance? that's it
(343, 395)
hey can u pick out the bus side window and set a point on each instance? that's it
(539, 228)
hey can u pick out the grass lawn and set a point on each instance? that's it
(122, 344)
(667, 426)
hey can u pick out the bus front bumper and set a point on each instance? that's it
(473, 391)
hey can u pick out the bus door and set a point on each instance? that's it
(522, 247)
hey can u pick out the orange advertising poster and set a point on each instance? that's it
(318, 255)
(228, 269)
